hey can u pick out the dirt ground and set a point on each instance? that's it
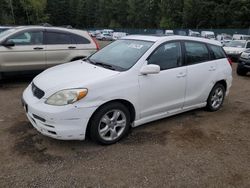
(194, 149)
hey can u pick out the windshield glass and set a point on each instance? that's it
(237, 44)
(121, 54)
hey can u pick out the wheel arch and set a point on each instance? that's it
(222, 82)
(126, 103)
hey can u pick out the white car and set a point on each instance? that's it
(208, 35)
(130, 82)
(118, 35)
(235, 48)
(241, 37)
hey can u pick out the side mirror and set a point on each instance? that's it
(8, 43)
(150, 69)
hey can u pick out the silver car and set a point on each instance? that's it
(38, 48)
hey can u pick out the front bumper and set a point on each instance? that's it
(59, 122)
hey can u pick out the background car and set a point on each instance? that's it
(241, 37)
(194, 33)
(208, 34)
(169, 32)
(235, 48)
(119, 35)
(224, 38)
(104, 36)
(37, 48)
(244, 63)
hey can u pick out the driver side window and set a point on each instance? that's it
(27, 38)
(167, 56)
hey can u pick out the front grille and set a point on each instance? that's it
(38, 93)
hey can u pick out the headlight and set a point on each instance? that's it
(66, 97)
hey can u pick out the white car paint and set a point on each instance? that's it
(153, 96)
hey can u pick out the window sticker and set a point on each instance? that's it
(136, 46)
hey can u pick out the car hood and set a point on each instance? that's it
(234, 49)
(78, 74)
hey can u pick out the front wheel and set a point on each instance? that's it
(216, 98)
(110, 123)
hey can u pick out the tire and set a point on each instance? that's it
(216, 98)
(110, 123)
(241, 71)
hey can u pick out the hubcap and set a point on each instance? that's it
(217, 98)
(112, 125)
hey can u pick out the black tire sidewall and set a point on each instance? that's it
(95, 120)
(209, 103)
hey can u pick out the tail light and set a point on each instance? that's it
(230, 61)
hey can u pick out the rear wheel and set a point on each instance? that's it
(216, 98)
(110, 123)
(241, 71)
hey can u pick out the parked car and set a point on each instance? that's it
(130, 82)
(224, 38)
(241, 37)
(194, 33)
(37, 48)
(244, 63)
(181, 33)
(4, 28)
(208, 34)
(235, 48)
(107, 31)
(92, 33)
(169, 32)
(118, 35)
(104, 36)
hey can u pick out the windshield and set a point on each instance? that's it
(237, 44)
(121, 55)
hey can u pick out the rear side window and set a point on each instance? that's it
(217, 52)
(196, 53)
(79, 39)
(57, 38)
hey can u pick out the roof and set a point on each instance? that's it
(162, 38)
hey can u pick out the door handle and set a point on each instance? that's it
(212, 68)
(181, 75)
(71, 47)
(38, 48)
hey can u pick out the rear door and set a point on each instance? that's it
(59, 47)
(201, 72)
(27, 54)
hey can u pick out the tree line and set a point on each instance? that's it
(169, 14)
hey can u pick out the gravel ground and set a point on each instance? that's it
(194, 149)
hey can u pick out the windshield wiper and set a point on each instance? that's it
(100, 64)
(105, 65)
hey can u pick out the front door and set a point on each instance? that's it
(164, 92)
(27, 54)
